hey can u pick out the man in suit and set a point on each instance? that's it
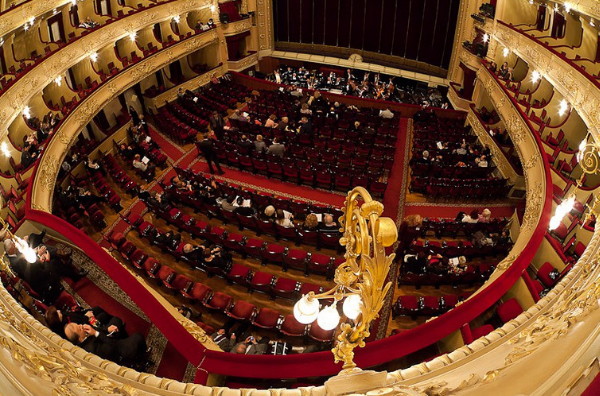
(252, 347)
(96, 317)
(128, 351)
(305, 126)
(217, 124)
(276, 148)
(220, 338)
(207, 148)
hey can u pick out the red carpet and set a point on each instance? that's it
(277, 187)
(394, 184)
(430, 210)
(170, 149)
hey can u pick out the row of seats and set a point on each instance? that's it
(472, 274)
(452, 227)
(215, 301)
(457, 248)
(425, 305)
(489, 188)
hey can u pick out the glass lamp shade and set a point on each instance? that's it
(328, 318)
(554, 223)
(352, 305)
(305, 310)
(23, 247)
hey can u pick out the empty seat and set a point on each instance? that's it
(262, 281)
(267, 318)
(509, 310)
(197, 292)
(291, 327)
(218, 302)
(286, 288)
(318, 334)
(241, 310)
(548, 274)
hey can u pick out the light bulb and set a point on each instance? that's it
(58, 80)
(505, 52)
(94, 57)
(212, 8)
(568, 7)
(564, 106)
(305, 310)
(486, 38)
(328, 318)
(4, 149)
(554, 223)
(352, 306)
(535, 76)
(132, 36)
(27, 251)
(27, 112)
(176, 19)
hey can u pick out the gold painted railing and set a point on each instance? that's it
(16, 17)
(233, 28)
(20, 93)
(43, 187)
(243, 63)
(576, 88)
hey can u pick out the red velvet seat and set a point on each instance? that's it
(431, 305)
(289, 233)
(218, 302)
(216, 235)
(138, 258)
(449, 301)
(579, 249)
(296, 259)
(286, 288)
(180, 283)
(199, 229)
(234, 241)
(330, 240)
(318, 334)
(305, 288)
(254, 247)
(116, 239)
(548, 274)
(265, 227)
(208, 329)
(151, 266)
(66, 302)
(241, 310)
(319, 264)
(197, 292)
(248, 222)
(239, 274)
(560, 232)
(408, 305)
(261, 281)
(166, 275)
(509, 310)
(126, 249)
(291, 327)
(274, 253)
(267, 318)
(482, 331)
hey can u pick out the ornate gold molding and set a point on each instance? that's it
(20, 93)
(464, 28)
(71, 126)
(587, 7)
(469, 59)
(18, 16)
(457, 102)
(243, 63)
(233, 28)
(577, 89)
(264, 17)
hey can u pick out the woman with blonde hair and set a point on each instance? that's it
(270, 123)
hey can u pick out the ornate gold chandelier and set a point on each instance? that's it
(361, 281)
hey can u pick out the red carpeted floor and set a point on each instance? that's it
(171, 150)
(394, 185)
(263, 183)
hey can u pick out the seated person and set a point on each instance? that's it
(269, 213)
(129, 351)
(485, 216)
(96, 317)
(222, 340)
(193, 253)
(471, 218)
(415, 263)
(215, 257)
(252, 347)
(259, 144)
(143, 165)
(328, 224)
(284, 218)
(311, 223)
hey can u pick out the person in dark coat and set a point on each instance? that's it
(207, 148)
(99, 319)
(217, 124)
(128, 351)
(135, 118)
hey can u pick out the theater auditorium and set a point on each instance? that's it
(299, 197)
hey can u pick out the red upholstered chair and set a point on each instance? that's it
(234, 241)
(261, 281)
(509, 310)
(239, 274)
(116, 239)
(560, 232)
(254, 248)
(309, 237)
(218, 302)
(199, 229)
(197, 292)
(241, 310)
(318, 334)
(579, 249)
(267, 318)
(273, 253)
(286, 288)
(216, 235)
(408, 305)
(305, 288)
(330, 240)
(66, 302)
(151, 266)
(180, 283)
(482, 331)
(126, 249)
(288, 233)
(265, 227)
(548, 274)
(166, 275)
(291, 327)
(319, 264)
(138, 258)
(449, 301)
(431, 305)
(208, 329)
(296, 259)
(248, 222)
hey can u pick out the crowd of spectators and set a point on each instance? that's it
(360, 83)
(32, 142)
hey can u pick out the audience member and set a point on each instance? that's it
(277, 148)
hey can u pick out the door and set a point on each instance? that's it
(56, 30)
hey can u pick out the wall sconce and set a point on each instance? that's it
(94, 57)
(27, 112)
(563, 107)
(505, 52)
(568, 7)
(486, 38)
(132, 36)
(213, 8)
(5, 150)
(561, 210)
(58, 80)
(535, 76)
